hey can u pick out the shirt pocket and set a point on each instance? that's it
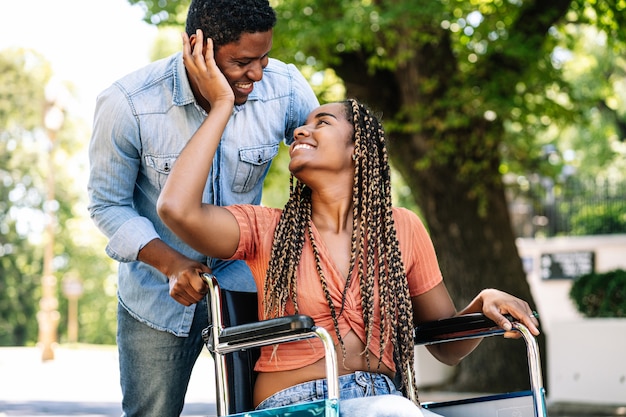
(159, 167)
(252, 166)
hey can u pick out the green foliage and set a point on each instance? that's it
(276, 185)
(517, 75)
(596, 219)
(21, 74)
(26, 149)
(163, 12)
(601, 294)
(445, 95)
(19, 258)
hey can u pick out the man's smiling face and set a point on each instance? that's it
(242, 62)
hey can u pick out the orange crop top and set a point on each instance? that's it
(257, 225)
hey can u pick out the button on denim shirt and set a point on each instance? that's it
(141, 124)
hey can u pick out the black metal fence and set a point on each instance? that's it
(574, 208)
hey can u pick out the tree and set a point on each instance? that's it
(465, 89)
(24, 156)
(19, 267)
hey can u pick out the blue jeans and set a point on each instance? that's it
(362, 394)
(155, 366)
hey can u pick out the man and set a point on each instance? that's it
(141, 124)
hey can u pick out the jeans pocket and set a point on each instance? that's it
(300, 393)
(373, 384)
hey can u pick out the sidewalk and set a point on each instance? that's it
(83, 380)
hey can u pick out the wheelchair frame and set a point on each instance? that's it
(229, 334)
(472, 326)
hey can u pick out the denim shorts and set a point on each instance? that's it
(356, 385)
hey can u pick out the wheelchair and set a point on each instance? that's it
(235, 335)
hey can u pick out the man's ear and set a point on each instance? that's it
(192, 40)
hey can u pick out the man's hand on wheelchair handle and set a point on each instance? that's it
(186, 284)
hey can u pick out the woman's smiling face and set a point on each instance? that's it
(325, 142)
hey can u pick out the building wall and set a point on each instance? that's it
(552, 294)
(584, 355)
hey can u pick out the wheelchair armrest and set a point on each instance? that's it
(467, 326)
(267, 329)
(471, 326)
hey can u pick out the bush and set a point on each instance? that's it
(601, 294)
(599, 219)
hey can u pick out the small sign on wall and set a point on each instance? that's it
(567, 265)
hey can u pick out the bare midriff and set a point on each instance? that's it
(269, 383)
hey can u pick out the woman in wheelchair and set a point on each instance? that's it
(338, 251)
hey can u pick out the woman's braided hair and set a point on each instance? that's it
(375, 247)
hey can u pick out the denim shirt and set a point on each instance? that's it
(141, 124)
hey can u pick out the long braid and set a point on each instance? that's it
(329, 299)
(372, 199)
(280, 283)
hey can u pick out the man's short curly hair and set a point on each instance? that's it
(225, 21)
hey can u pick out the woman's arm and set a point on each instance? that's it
(209, 229)
(436, 304)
